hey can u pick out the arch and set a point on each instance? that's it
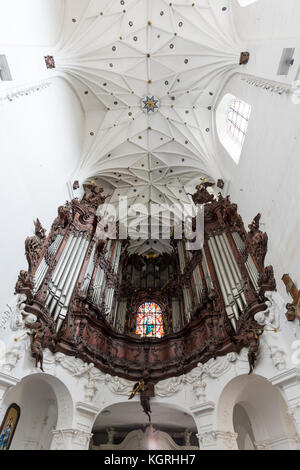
(127, 417)
(262, 403)
(45, 404)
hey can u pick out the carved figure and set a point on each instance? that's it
(42, 337)
(34, 245)
(252, 353)
(293, 309)
(95, 197)
(244, 58)
(266, 280)
(258, 241)
(202, 196)
(25, 285)
(64, 218)
(147, 391)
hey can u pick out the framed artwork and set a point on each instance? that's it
(8, 426)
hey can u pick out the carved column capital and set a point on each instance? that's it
(70, 439)
(227, 440)
(207, 440)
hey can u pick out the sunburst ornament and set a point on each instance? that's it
(150, 104)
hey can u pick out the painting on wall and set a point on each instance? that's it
(8, 426)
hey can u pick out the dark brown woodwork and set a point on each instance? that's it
(293, 309)
(86, 333)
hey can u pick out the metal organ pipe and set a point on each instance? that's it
(206, 272)
(236, 268)
(63, 272)
(39, 275)
(60, 266)
(250, 266)
(120, 317)
(70, 285)
(43, 267)
(221, 267)
(89, 272)
(230, 272)
(198, 282)
(98, 285)
(111, 291)
(181, 256)
(232, 260)
(228, 302)
(232, 292)
(187, 303)
(253, 269)
(176, 315)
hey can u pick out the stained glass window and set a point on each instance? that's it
(149, 321)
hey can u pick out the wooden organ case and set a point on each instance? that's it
(80, 288)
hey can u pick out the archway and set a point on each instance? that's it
(255, 410)
(45, 405)
(124, 426)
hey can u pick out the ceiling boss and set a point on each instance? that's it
(150, 104)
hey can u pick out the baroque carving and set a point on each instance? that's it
(93, 197)
(34, 245)
(258, 242)
(293, 309)
(207, 329)
(25, 285)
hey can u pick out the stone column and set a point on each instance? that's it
(79, 437)
(209, 437)
(70, 439)
(6, 382)
(204, 416)
(288, 383)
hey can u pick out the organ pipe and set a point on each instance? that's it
(75, 281)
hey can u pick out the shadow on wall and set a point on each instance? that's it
(253, 408)
(45, 404)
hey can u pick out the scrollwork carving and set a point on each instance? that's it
(34, 245)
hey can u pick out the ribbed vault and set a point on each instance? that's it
(116, 54)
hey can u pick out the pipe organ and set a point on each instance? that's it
(86, 290)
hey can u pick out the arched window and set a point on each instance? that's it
(232, 120)
(149, 321)
(238, 119)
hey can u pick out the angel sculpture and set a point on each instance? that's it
(146, 390)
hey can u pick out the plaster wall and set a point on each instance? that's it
(41, 140)
(266, 179)
(266, 27)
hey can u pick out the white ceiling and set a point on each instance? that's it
(131, 416)
(121, 52)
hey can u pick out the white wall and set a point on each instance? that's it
(266, 27)
(267, 177)
(30, 22)
(29, 30)
(38, 415)
(41, 140)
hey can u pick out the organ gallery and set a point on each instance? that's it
(149, 242)
(155, 315)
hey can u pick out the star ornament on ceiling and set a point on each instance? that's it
(150, 104)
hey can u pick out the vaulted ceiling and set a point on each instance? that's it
(147, 73)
